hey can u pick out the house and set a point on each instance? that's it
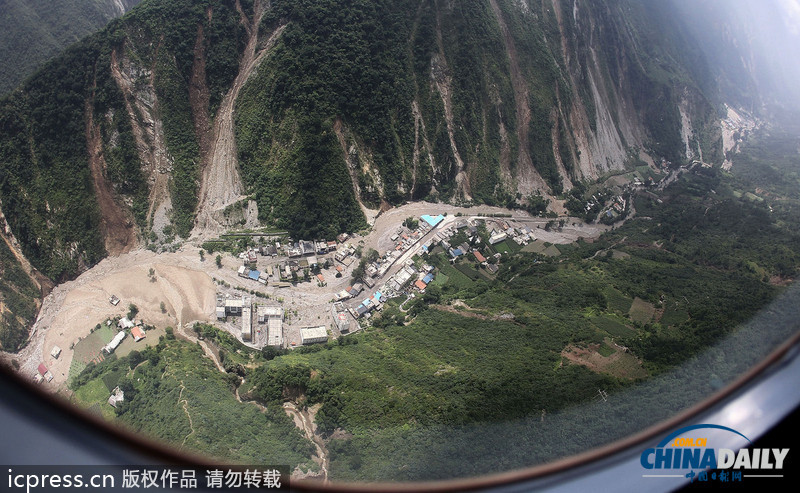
(342, 237)
(421, 285)
(320, 279)
(138, 334)
(55, 352)
(220, 313)
(308, 247)
(253, 275)
(492, 268)
(124, 323)
(243, 271)
(113, 300)
(263, 278)
(312, 335)
(117, 396)
(369, 282)
(44, 372)
(342, 322)
(497, 238)
(479, 257)
(331, 246)
(428, 278)
(357, 288)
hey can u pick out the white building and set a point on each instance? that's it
(312, 335)
(111, 346)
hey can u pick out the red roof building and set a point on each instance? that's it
(42, 369)
(137, 333)
(478, 256)
(420, 285)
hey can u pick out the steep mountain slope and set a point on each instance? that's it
(32, 31)
(192, 117)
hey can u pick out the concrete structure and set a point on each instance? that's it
(234, 307)
(55, 352)
(247, 322)
(124, 323)
(312, 335)
(273, 317)
(243, 271)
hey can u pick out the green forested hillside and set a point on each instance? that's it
(483, 374)
(33, 31)
(481, 101)
(175, 394)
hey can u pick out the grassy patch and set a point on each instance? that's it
(552, 251)
(641, 311)
(617, 301)
(674, 314)
(537, 246)
(94, 393)
(605, 350)
(502, 247)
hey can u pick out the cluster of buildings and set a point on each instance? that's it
(502, 230)
(270, 316)
(373, 303)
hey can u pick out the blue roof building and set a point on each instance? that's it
(427, 279)
(433, 221)
(254, 275)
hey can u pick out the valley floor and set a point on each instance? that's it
(186, 286)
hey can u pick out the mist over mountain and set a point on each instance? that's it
(752, 49)
(32, 31)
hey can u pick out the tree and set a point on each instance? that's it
(219, 261)
(202, 255)
(132, 311)
(163, 307)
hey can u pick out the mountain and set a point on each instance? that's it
(33, 31)
(198, 116)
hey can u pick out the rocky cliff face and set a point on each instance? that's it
(188, 118)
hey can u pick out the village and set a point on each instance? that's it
(275, 291)
(358, 282)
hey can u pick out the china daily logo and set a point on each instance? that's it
(686, 453)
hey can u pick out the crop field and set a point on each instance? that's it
(90, 348)
(455, 277)
(612, 326)
(467, 271)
